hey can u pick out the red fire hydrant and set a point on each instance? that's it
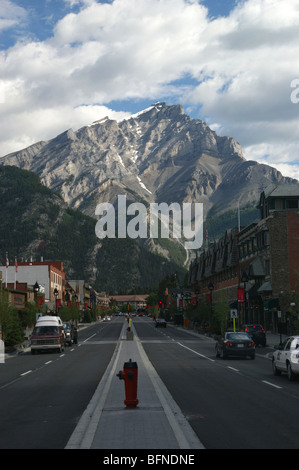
(130, 376)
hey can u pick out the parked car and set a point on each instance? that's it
(286, 357)
(71, 334)
(256, 332)
(235, 344)
(160, 322)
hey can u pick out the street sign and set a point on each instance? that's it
(233, 313)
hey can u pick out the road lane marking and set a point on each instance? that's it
(87, 339)
(49, 362)
(232, 368)
(272, 385)
(195, 352)
(25, 373)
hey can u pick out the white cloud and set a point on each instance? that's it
(45, 123)
(137, 49)
(10, 14)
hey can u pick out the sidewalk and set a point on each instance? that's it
(156, 422)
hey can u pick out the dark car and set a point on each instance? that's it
(71, 334)
(256, 332)
(235, 344)
(161, 322)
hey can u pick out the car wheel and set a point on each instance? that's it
(291, 375)
(274, 368)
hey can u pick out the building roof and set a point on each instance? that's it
(282, 190)
(129, 298)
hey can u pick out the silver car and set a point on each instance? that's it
(286, 357)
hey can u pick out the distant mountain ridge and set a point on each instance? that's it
(158, 155)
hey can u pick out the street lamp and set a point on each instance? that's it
(244, 279)
(211, 288)
(56, 295)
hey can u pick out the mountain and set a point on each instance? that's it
(158, 155)
(34, 221)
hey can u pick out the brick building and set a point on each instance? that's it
(262, 260)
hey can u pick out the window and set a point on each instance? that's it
(288, 345)
(292, 203)
(267, 267)
(279, 204)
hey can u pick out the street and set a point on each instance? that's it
(43, 396)
(231, 404)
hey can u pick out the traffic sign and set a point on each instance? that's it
(233, 313)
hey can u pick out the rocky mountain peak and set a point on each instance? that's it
(159, 154)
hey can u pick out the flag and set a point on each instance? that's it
(16, 265)
(7, 263)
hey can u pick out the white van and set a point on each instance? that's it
(48, 334)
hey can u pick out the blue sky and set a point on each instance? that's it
(67, 63)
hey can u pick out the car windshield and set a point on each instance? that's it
(237, 336)
(45, 330)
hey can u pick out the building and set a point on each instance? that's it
(269, 256)
(47, 275)
(19, 294)
(258, 266)
(215, 270)
(135, 301)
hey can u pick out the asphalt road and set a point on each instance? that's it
(42, 397)
(234, 403)
(231, 404)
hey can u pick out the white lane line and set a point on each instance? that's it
(25, 373)
(87, 339)
(232, 368)
(195, 352)
(49, 362)
(185, 436)
(272, 385)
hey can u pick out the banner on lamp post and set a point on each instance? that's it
(241, 295)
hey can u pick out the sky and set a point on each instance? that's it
(233, 64)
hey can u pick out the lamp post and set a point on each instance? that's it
(211, 288)
(244, 279)
(56, 295)
(292, 305)
(36, 289)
